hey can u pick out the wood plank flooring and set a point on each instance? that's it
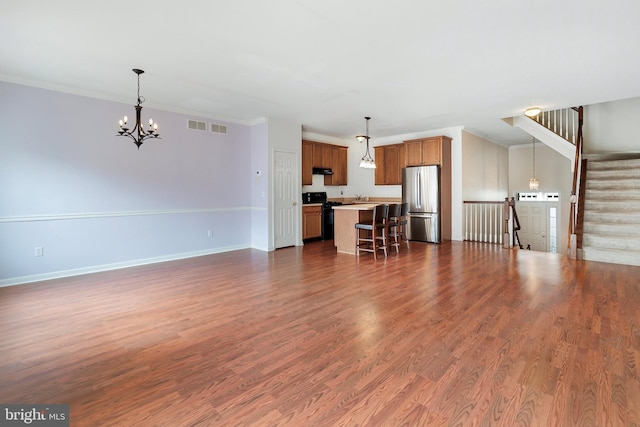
(457, 334)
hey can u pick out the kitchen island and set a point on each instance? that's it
(345, 218)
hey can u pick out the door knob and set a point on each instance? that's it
(295, 203)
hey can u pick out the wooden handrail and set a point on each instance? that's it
(516, 221)
(578, 157)
(480, 202)
(516, 224)
(576, 194)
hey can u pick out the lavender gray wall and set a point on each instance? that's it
(260, 186)
(93, 201)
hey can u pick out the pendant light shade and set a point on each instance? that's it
(367, 161)
(534, 184)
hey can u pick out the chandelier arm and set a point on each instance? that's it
(135, 141)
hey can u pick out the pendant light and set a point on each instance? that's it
(138, 133)
(533, 182)
(366, 162)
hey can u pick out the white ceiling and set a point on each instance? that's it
(412, 65)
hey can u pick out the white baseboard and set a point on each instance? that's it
(115, 266)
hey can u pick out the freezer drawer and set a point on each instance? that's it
(424, 227)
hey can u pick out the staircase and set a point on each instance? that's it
(605, 207)
(611, 228)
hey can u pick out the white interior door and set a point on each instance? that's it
(286, 198)
(534, 225)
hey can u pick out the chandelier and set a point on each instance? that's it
(533, 182)
(366, 162)
(138, 134)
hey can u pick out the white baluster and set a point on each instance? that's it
(466, 221)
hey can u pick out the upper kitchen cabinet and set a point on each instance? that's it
(389, 163)
(428, 151)
(326, 156)
(321, 155)
(307, 162)
(338, 166)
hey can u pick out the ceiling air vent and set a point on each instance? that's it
(216, 128)
(196, 125)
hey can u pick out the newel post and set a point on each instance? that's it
(573, 239)
(506, 213)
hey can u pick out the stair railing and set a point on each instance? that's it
(564, 122)
(483, 221)
(491, 222)
(515, 226)
(577, 197)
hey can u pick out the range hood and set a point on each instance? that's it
(321, 171)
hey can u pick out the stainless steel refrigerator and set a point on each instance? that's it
(421, 190)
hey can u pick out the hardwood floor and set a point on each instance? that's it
(454, 334)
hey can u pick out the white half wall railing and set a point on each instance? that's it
(483, 221)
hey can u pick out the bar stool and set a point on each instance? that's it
(402, 222)
(369, 243)
(393, 226)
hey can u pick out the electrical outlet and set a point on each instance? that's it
(210, 233)
(39, 251)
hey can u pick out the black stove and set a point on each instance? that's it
(327, 219)
(314, 197)
(327, 211)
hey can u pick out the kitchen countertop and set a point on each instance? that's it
(311, 204)
(357, 207)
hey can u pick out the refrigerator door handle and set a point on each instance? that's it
(418, 194)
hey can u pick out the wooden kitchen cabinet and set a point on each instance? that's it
(338, 165)
(379, 158)
(389, 163)
(435, 151)
(311, 222)
(307, 162)
(321, 155)
(427, 151)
